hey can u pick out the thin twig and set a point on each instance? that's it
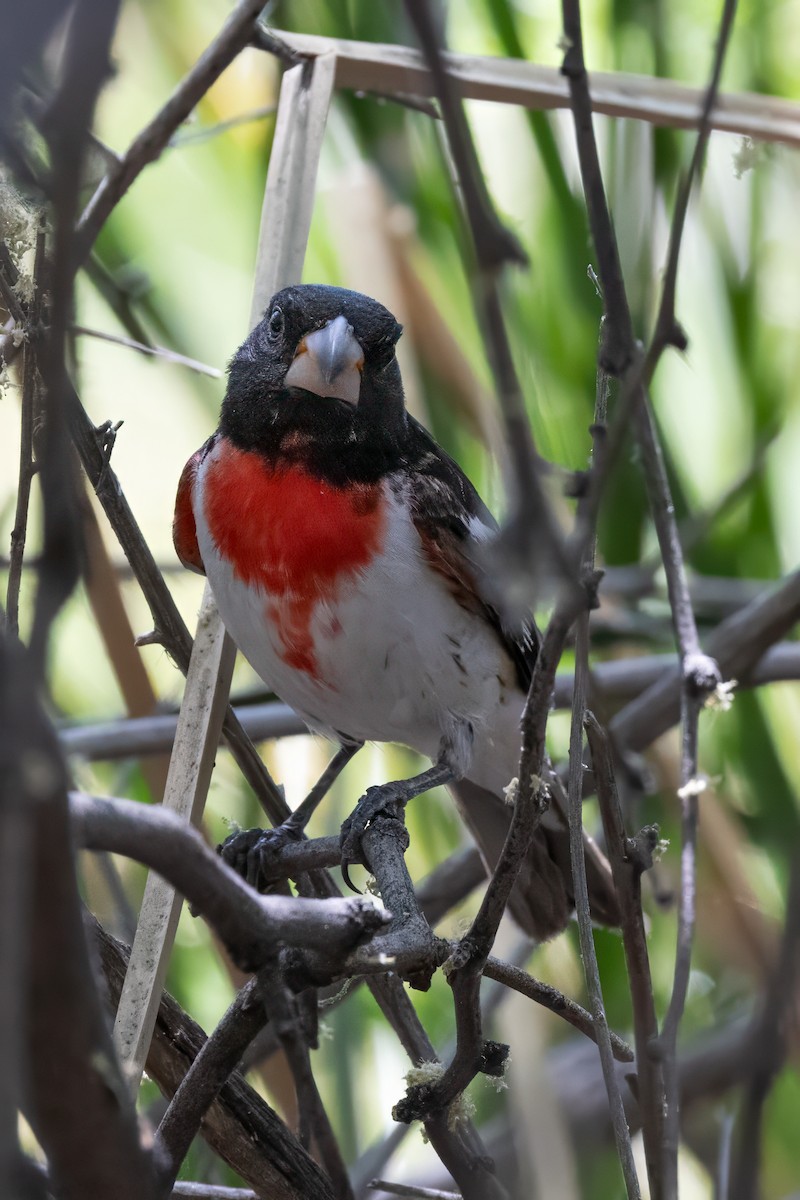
(553, 1000)
(575, 823)
(313, 1119)
(407, 1189)
(83, 1123)
(236, 33)
(495, 246)
(16, 934)
(700, 673)
(666, 333)
(220, 1056)
(737, 644)
(467, 962)
(216, 1061)
(156, 351)
(770, 1037)
(628, 858)
(192, 137)
(622, 679)
(27, 466)
(460, 1149)
(240, 1126)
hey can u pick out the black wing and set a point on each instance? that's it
(445, 508)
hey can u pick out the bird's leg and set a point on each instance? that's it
(254, 853)
(390, 799)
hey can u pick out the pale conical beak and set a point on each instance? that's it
(328, 362)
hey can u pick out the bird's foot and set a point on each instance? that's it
(255, 854)
(386, 800)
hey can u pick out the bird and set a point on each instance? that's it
(342, 545)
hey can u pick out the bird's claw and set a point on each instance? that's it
(386, 800)
(255, 854)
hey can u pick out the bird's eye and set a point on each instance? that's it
(276, 322)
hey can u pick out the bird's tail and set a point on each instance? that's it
(542, 899)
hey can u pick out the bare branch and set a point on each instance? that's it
(494, 247)
(171, 356)
(771, 1032)
(252, 926)
(467, 962)
(84, 70)
(240, 1126)
(617, 679)
(236, 33)
(628, 858)
(405, 1189)
(700, 673)
(313, 1119)
(666, 332)
(76, 1101)
(214, 1063)
(553, 1000)
(737, 645)
(27, 467)
(576, 837)
(368, 66)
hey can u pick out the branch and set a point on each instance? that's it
(576, 836)
(771, 1031)
(469, 959)
(617, 679)
(629, 858)
(737, 644)
(553, 1000)
(313, 1119)
(161, 352)
(494, 247)
(700, 673)
(75, 1097)
(372, 66)
(667, 332)
(236, 33)
(27, 466)
(460, 1149)
(85, 65)
(214, 1063)
(252, 926)
(240, 1126)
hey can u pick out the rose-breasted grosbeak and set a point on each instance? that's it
(339, 540)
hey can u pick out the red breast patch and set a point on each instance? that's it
(184, 530)
(291, 534)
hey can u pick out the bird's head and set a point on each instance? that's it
(327, 341)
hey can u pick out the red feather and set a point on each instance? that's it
(291, 534)
(184, 530)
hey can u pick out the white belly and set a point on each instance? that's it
(396, 657)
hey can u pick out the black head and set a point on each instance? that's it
(327, 341)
